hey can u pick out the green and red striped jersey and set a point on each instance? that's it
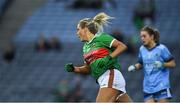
(94, 52)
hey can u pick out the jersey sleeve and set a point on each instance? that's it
(140, 58)
(166, 55)
(107, 40)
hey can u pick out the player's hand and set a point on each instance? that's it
(158, 64)
(131, 68)
(69, 67)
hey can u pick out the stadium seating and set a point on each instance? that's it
(33, 75)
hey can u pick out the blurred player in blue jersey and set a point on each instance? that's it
(156, 60)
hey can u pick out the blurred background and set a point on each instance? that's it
(37, 38)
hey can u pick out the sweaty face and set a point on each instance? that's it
(81, 33)
(146, 38)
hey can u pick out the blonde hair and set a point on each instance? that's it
(96, 24)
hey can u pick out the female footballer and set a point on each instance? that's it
(156, 60)
(100, 55)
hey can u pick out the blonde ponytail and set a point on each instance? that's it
(102, 19)
(96, 24)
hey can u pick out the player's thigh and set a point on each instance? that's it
(149, 98)
(163, 96)
(107, 95)
(150, 101)
(163, 101)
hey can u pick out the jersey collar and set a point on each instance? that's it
(157, 44)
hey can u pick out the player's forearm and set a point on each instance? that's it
(120, 48)
(138, 66)
(82, 69)
(170, 64)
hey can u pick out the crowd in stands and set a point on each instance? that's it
(9, 53)
(94, 4)
(4, 5)
(144, 13)
(44, 44)
(66, 93)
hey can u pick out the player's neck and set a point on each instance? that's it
(90, 36)
(151, 45)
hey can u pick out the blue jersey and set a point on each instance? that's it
(155, 79)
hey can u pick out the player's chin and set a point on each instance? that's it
(144, 43)
(83, 40)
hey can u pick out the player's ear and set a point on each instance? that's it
(152, 37)
(86, 29)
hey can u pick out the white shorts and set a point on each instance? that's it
(112, 79)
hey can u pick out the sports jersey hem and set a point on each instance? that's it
(155, 91)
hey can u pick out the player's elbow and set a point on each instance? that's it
(88, 70)
(173, 64)
(124, 47)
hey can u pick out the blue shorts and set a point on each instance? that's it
(162, 94)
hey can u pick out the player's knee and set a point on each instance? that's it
(123, 97)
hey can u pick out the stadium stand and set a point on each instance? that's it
(33, 76)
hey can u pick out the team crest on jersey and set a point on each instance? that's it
(157, 55)
(93, 45)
